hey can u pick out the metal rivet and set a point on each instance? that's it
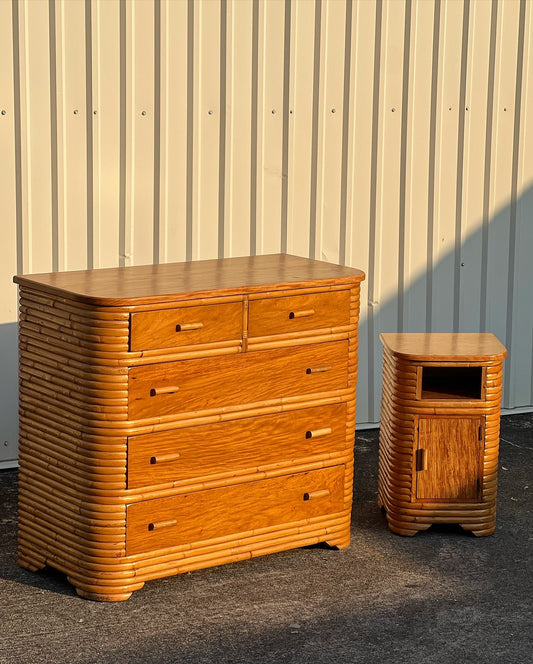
(450, 108)
(4, 111)
(291, 111)
(95, 112)
(393, 110)
(467, 108)
(143, 112)
(75, 111)
(209, 112)
(273, 111)
(333, 110)
(504, 109)
(462, 264)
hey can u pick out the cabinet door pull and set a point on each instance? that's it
(156, 391)
(184, 327)
(320, 493)
(421, 460)
(301, 314)
(164, 458)
(316, 433)
(320, 369)
(157, 525)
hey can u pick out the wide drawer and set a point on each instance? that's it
(236, 379)
(232, 510)
(249, 444)
(297, 313)
(186, 326)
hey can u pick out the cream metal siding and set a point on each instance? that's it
(395, 136)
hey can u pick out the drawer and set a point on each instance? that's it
(296, 313)
(237, 446)
(238, 509)
(186, 326)
(236, 379)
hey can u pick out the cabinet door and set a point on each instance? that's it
(448, 458)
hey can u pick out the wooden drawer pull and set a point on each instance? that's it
(316, 433)
(312, 495)
(421, 460)
(301, 314)
(164, 458)
(156, 391)
(322, 369)
(157, 525)
(183, 327)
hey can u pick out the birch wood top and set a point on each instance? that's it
(442, 347)
(143, 284)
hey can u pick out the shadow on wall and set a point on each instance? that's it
(483, 284)
(8, 394)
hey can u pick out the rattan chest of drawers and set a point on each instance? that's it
(179, 416)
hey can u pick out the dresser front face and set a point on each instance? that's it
(196, 431)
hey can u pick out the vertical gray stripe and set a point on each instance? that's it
(18, 139)
(460, 169)
(157, 133)
(514, 196)
(222, 127)
(286, 117)
(345, 135)
(190, 128)
(487, 174)
(373, 211)
(53, 133)
(89, 131)
(254, 137)
(403, 165)
(314, 131)
(123, 120)
(431, 169)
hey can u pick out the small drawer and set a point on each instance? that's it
(297, 313)
(186, 326)
(205, 515)
(235, 380)
(239, 446)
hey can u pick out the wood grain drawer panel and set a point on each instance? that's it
(234, 380)
(186, 326)
(236, 446)
(240, 508)
(295, 313)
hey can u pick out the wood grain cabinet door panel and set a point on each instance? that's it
(186, 326)
(240, 446)
(258, 377)
(448, 458)
(204, 516)
(296, 313)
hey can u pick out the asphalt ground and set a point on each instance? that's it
(443, 596)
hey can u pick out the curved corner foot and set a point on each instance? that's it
(30, 562)
(103, 597)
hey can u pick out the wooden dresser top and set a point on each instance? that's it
(442, 347)
(144, 284)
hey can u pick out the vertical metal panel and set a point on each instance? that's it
(8, 242)
(394, 136)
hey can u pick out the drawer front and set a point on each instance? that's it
(240, 508)
(186, 326)
(237, 379)
(297, 313)
(238, 446)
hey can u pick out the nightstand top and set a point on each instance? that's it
(444, 346)
(144, 284)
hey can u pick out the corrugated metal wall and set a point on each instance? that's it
(395, 136)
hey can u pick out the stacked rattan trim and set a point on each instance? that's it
(400, 409)
(74, 427)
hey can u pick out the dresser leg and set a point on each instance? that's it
(105, 594)
(28, 560)
(480, 532)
